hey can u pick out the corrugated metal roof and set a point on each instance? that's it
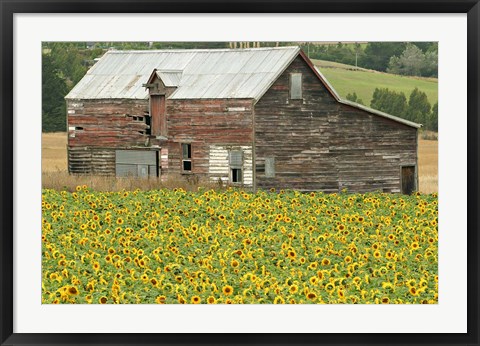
(215, 73)
(171, 78)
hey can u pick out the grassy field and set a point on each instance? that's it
(348, 79)
(54, 168)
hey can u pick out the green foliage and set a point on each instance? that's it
(432, 123)
(378, 54)
(391, 102)
(354, 98)
(418, 107)
(413, 62)
(54, 90)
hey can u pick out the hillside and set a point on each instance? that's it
(348, 79)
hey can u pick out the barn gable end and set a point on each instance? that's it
(319, 143)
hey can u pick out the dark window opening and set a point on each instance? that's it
(408, 180)
(187, 165)
(296, 86)
(236, 175)
(78, 128)
(186, 157)
(148, 130)
(236, 165)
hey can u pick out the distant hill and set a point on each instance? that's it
(348, 79)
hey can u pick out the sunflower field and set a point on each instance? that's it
(236, 247)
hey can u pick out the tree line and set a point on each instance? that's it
(417, 108)
(404, 58)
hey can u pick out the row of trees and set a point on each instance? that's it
(417, 109)
(405, 58)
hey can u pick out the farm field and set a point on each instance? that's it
(172, 246)
(54, 167)
(348, 79)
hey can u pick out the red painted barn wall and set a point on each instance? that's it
(107, 123)
(203, 123)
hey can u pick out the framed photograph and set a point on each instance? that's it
(240, 173)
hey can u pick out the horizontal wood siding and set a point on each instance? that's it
(219, 166)
(106, 123)
(320, 144)
(204, 123)
(95, 161)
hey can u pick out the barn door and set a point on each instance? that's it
(408, 180)
(158, 117)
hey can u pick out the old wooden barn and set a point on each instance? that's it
(259, 118)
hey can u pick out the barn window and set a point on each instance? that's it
(236, 166)
(270, 167)
(186, 157)
(148, 130)
(296, 86)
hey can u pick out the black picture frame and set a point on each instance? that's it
(10, 7)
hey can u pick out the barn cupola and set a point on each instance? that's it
(160, 85)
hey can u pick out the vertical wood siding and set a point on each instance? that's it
(320, 144)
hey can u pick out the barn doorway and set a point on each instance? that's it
(136, 163)
(408, 179)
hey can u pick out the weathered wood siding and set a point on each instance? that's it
(320, 144)
(107, 123)
(97, 127)
(204, 123)
(97, 161)
(219, 165)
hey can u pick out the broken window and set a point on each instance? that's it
(236, 166)
(186, 157)
(296, 86)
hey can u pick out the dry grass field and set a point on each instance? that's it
(54, 169)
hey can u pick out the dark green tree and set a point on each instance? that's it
(389, 102)
(432, 123)
(418, 107)
(54, 90)
(377, 54)
(354, 98)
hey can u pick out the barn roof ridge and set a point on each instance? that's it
(146, 51)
